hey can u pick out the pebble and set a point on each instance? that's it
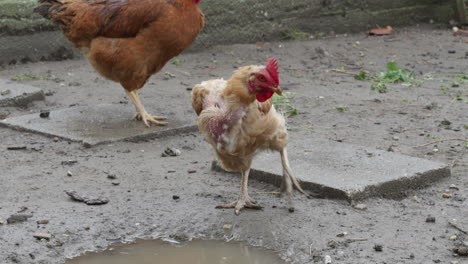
(112, 176)
(459, 198)
(342, 234)
(446, 195)
(462, 251)
(44, 114)
(87, 200)
(360, 206)
(171, 152)
(2, 222)
(453, 238)
(192, 171)
(378, 247)
(69, 173)
(430, 219)
(18, 218)
(327, 260)
(115, 183)
(56, 139)
(175, 197)
(5, 92)
(227, 227)
(42, 222)
(40, 236)
(453, 187)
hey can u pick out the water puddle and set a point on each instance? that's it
(195, 252)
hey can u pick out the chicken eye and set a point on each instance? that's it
(262, 78)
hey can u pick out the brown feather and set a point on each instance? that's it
(127, 40)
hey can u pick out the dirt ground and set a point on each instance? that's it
(141, 197)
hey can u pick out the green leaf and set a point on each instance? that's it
(392, 66)
(361, 76)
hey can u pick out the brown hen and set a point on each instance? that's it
(127, 41)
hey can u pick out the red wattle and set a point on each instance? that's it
(264, 95)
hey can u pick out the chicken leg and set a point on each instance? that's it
(244, 200)
(141, 112)
(290, 182)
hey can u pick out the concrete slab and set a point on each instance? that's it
(350, 172)
(98, 124)
(16, 94)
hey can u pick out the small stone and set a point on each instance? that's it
(430, 219)
(69, 162)
(87, 200)
(192, 171)
(40, 236)
(111, 176)
(115, 183)
(227, 227)
(2, 222)
(56, 139)
(459, 198)
(454, 187)
(74, 84)
(462, 251)
(378, 247)
(18, 218)
(446, 195)
(175, 197)
(396, 138)
(342, 234)
(327, 259)
(453, 238)
(69, 173)
(454, 262)
(42, 222)
(5, 92)
(171, 152)
(360, 206)
(44, 114)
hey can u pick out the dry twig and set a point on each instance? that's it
(441, 141)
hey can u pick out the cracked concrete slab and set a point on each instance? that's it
(98, 124)
(17, 94)
(350, 172)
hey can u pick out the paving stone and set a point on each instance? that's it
(17, 94)
(344, 171)
(97, 124)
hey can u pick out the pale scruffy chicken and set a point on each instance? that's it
(238, 120)
(127, 41)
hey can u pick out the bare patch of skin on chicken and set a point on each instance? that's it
(141, 112)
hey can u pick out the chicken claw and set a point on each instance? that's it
(244, 202)
(150, 118)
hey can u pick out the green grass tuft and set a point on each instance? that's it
(283, 104)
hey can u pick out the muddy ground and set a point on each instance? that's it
(142, 205)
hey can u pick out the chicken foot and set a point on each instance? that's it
(141, 112)
(244, 200)
(290, 182)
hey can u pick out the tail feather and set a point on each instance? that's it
(47, 8)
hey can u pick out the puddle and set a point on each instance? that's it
(195, 252)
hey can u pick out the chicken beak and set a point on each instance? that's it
(277, 90)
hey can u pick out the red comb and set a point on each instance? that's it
(272, 68)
